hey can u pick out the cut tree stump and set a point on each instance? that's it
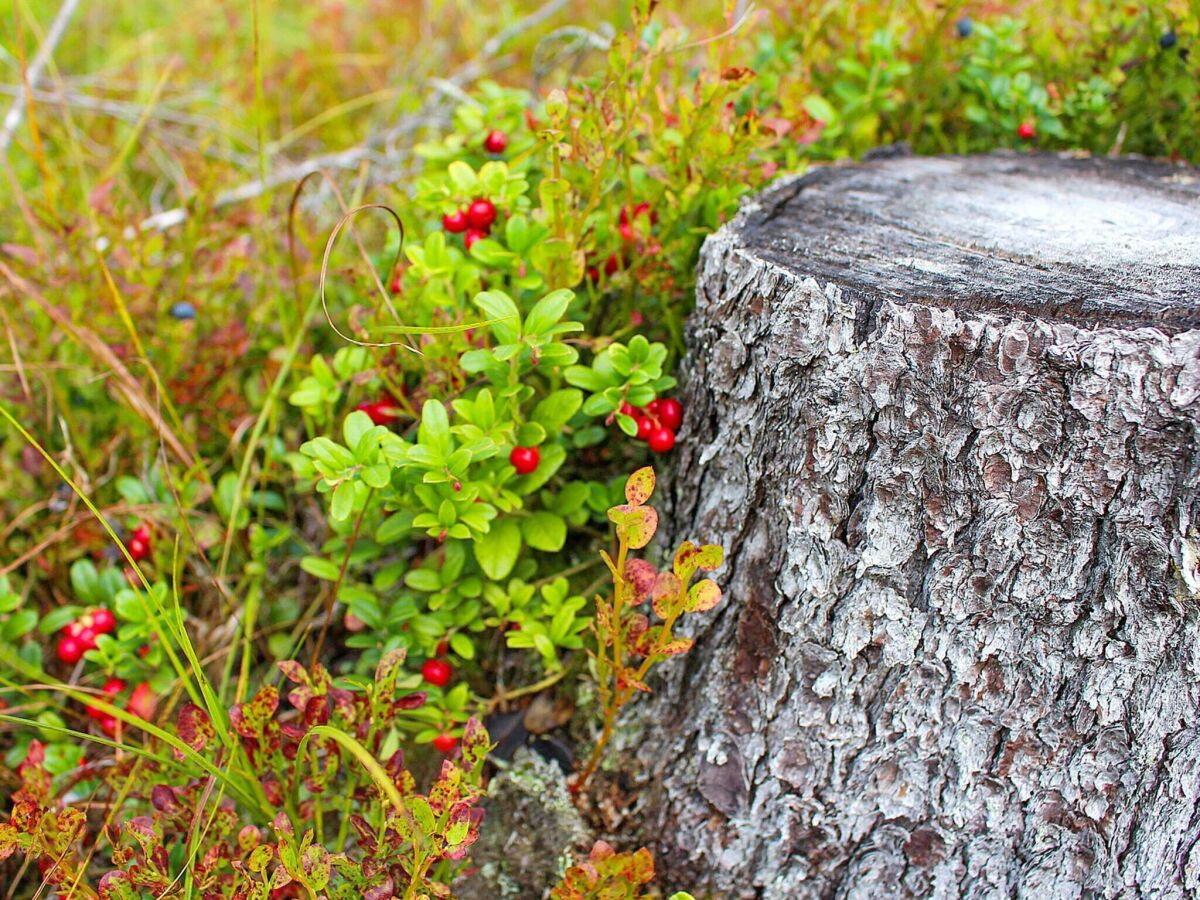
(942, 413)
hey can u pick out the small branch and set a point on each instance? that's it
(12, 120)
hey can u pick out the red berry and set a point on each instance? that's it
(455, 222)
(481, 214)
(70, 649)
(653, 406)
(381, 412)
(670, 413)
(73, 629)
(108, 725)
(645, 428)
(611, 264)
(142, 701)
(397, 284)
(114, 686)
(593, 274)
(139, 550)
(95, 712)
(445, 742)
(525, 459)
(627, 232)
(661, 440)
(628, 409)
(473, 235)
(496, 141)
(442, 647)
(437, 672)
(1026, 130)
(103, 621)
(142, 533)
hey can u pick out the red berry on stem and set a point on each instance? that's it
(139, 550)
(653, 406)
(70, 650)
(142, 533)
(103, 621)
(481, 214)
(73, 629)
(437, 672)
(525, 459)
(626, 231)
(670, 413)
(496, 141)
(114, 686)
(455, 222)
(644, 428)
(473, 235)
(445, 742)
(142, 701)
(108, 725)
(661, 440)
(1026, 130)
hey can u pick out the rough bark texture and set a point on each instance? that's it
(943, 415)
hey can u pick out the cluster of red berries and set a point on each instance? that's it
(140, 703)
(438, 672)
(139, 542)
(657, 423)
(383, 411)
(525, 459)
(476, 221)
(80, 636)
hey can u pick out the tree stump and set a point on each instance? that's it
(942, 413)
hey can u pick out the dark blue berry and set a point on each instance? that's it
(183, 311)
(1168, 40)
(965, 26)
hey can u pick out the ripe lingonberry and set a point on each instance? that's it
(113, 686)
(87, 638)
(627, 232)
(455, 222)
(142, 701)
(70, 650)
(103, 621)
(628, 409)
(1026, 130)
(108, 725)
(670, 413)
(644, 428)
(445, 742)
(524, 459)
(481, 214)
(381, 412)
(473, 235)
(142, 532)
(138, 549)
(496, 141)
(661, 440)
(437, 672)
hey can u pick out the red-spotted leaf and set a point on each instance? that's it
(689, 558)
(637, 523)
(640, 486)
(676, 646)
(293, 671)
(640, 575)
(194, 728)
(703, 596)
(475, 742)
(666, 595)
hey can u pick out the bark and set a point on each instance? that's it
(942, 413)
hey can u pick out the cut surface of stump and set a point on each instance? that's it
(942, 413)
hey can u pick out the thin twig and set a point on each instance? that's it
(12, 120)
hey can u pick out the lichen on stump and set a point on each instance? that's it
(943, 415)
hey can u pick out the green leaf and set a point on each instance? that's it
(423, 580)
(498, 549)
(499, 306)
(462, 645)
(343, 501)
(318, 567)
(557, 408)
(547, 311)
(544, 531)
(435, 426)
(355, 426)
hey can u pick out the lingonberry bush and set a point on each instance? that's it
(277, 534)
